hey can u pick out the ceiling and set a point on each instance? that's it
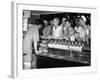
(44, 12)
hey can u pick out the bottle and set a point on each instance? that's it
(72, 43)
(79, 43)
(75, 43)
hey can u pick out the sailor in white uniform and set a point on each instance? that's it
(57, 29)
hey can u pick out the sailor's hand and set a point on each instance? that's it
(63, 19)
(38, 52)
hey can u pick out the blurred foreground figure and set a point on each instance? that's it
(32, 35)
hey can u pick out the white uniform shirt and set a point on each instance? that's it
(57, 32)
(81, 31)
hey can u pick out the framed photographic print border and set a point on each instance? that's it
(16, 69)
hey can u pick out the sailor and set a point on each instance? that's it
(57, 29)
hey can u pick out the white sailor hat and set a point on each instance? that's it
(83, 17)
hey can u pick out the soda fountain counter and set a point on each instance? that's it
(76, 51)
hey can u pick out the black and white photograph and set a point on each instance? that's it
(52, 40)
(55, 39)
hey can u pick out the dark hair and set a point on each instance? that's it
(57, 18)
(38, 22)
(77, 21)
(30, 21)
